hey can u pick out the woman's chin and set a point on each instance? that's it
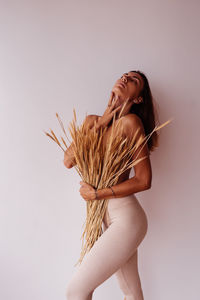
(117, 91)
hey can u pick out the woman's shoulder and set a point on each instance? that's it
(132, 123)
(132, 120)
(92, 117)
(131, 117)
(89, 119)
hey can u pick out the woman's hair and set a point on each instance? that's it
(147, 112)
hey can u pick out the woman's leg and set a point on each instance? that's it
(129, 279)
(125, 228)
(107, 255)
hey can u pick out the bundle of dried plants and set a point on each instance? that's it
(100, 165)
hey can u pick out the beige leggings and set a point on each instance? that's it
(115, 252)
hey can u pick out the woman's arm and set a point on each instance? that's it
(143, 171)
(69, 160)
(125, 188)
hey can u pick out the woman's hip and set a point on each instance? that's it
(125, 211)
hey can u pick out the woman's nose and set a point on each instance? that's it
(124, 79)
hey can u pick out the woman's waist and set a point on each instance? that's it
(125, 208)
(115, 203)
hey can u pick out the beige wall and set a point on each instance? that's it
(56, 55)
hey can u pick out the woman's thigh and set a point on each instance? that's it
(111, 251)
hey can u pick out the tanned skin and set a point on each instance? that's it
(125, 90)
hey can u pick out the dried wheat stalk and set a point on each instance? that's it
(101, 166)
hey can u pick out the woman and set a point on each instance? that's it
(125, 222)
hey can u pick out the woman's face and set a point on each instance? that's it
(128, 86)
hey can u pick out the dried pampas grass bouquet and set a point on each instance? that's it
(100, 165)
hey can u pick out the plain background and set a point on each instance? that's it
(60, 55)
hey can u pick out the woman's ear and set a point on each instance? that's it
(138, 100)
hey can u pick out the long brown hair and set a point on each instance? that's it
(147, 112)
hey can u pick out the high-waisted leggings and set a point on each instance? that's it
(115, 252)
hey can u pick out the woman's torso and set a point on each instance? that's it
(125, 175)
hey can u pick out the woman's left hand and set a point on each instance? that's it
(87, 191)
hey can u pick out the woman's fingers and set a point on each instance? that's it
(117, 109)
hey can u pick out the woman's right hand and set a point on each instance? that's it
(109, 112)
